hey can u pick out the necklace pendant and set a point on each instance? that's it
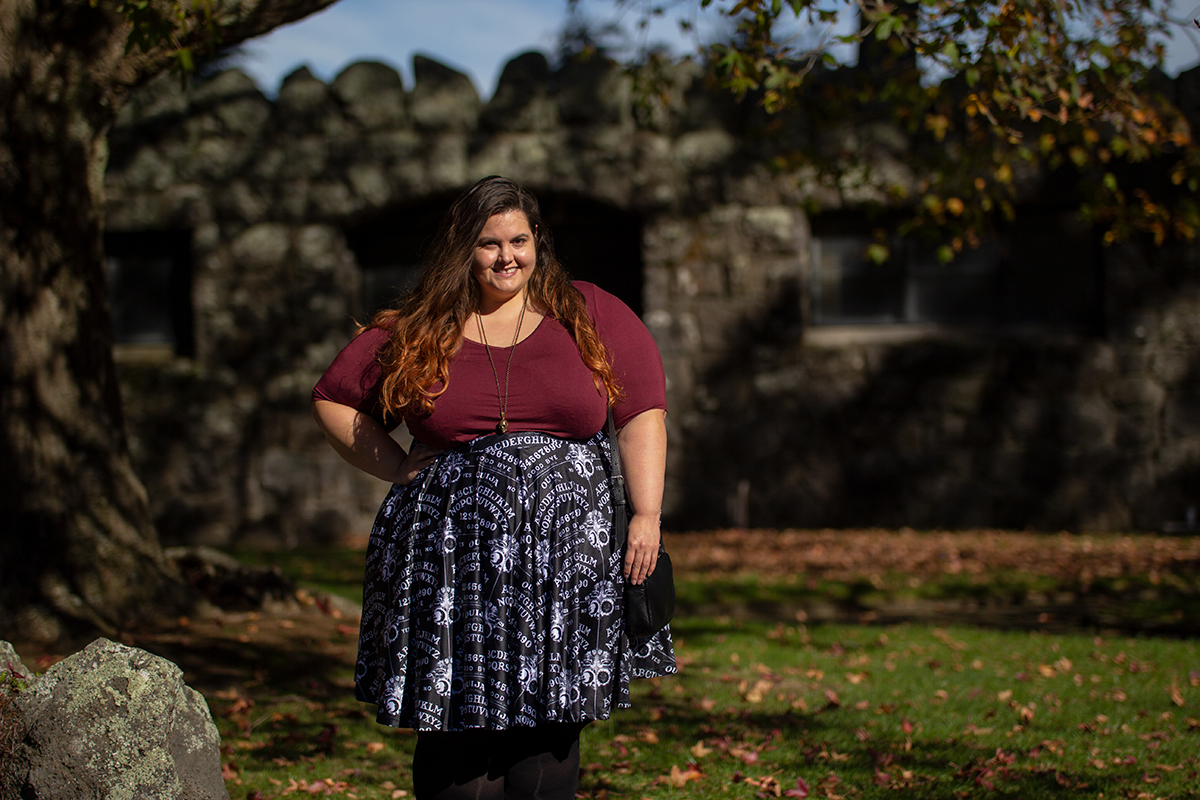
(502, 426)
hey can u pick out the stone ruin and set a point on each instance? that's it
(1047, 383)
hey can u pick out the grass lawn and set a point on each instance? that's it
(767, 709)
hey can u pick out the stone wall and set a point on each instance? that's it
(817, 426)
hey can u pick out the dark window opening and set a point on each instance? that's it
(149, 276)
(598, 243)
(390, 249)
(1044, 270)
(595, 242)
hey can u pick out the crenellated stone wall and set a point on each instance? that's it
(816, 425)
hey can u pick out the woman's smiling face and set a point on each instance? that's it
(505, 257)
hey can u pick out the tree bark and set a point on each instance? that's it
(78, 553)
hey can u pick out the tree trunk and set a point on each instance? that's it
(78, 553)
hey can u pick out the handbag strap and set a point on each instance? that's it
(617, 484)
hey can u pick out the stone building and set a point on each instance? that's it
(1041, 382)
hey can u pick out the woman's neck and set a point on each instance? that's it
(502, 310)
(496, 323)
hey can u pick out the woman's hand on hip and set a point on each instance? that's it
(641, 550)
(419, 456)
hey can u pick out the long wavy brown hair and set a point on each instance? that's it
(427, 328)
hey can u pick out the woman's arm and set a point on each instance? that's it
(643, 443)
(364, 444)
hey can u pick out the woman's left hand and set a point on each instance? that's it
(641, 551)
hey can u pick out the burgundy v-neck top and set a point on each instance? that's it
(550, 388)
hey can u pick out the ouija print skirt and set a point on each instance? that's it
(493, 592)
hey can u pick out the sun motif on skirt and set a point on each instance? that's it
(504, 553)
(603, 599)
(582, 461)
(597, 668)
(444, 612)
(597, 525)
(441, 675)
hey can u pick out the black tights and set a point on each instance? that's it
(539, 763)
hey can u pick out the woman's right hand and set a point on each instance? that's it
(420, 455)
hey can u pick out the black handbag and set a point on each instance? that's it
(650, 605)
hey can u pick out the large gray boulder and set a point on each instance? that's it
(110, 722)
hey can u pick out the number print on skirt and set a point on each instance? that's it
(493, 597)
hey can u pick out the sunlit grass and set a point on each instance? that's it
(851, 711)
(770, 702)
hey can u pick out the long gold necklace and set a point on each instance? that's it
(502, 425)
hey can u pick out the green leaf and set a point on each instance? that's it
(878, 253)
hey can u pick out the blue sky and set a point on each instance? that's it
(477, 37)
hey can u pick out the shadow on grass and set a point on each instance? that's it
(1014, 605)
(307, 658)
(801, 744)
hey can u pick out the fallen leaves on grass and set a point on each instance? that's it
(767, 785)
(847, 555)
(678, 778)
(328, 786)
(1176, 695)
(801, 789)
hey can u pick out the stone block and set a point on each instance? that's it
(447, 162)
(302, 94)
(262, 246)
(114, 722)
(773, 227)
(594, 90)
(243, 201)
(370, 183)
(373, 94)
(332, 199)
(526, 157)
(159, 100)
(442, 99)
(245, 115)
(704, 149)
(320, 246)
(146, 169)
(663, 105)
(1169, 365)
(229, 84)
(216, 159)
(522, 101)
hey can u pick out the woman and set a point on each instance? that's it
(492, 614)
